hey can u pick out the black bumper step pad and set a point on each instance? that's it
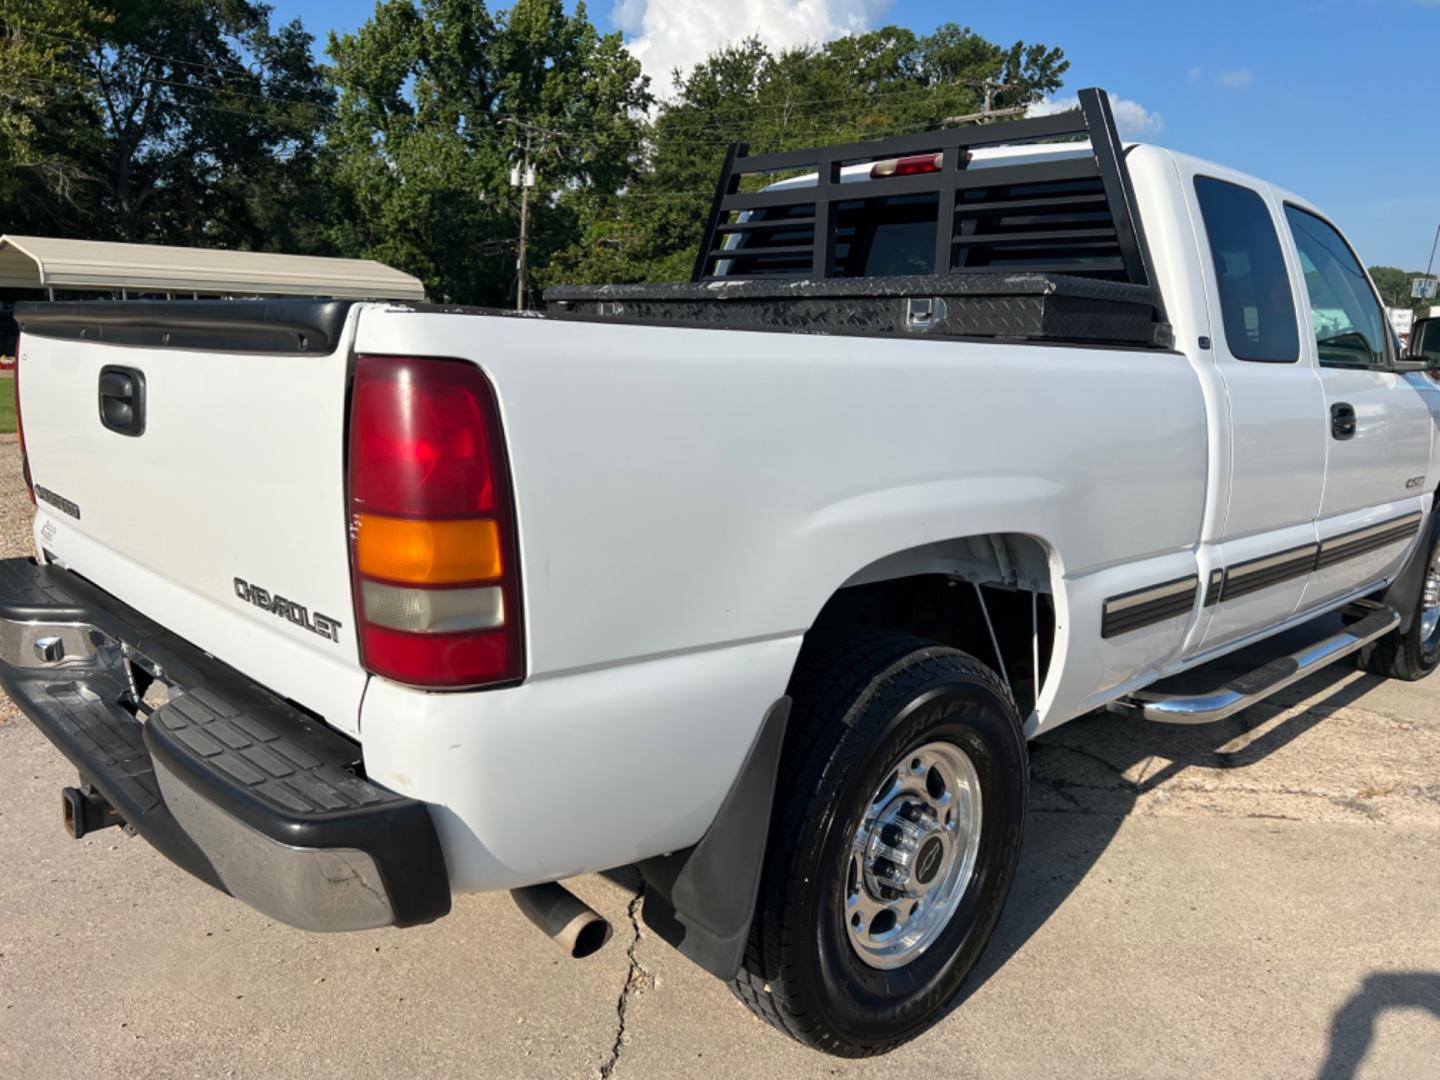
(244, 750)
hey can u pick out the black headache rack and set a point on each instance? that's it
(1063, 215)
(1048, 247)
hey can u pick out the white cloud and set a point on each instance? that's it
(1196, 73)
(1237, 79)
(1133, 120)
(666, 34)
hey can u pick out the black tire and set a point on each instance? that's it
(1407, 655)
(856, 712)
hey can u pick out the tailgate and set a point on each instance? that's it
(224, 518)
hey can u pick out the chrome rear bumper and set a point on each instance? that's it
(231, 783)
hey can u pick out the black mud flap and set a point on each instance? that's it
(1403, 591)
(702, 900)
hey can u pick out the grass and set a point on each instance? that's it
(7, 407)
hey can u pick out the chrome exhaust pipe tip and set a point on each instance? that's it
(564, 918)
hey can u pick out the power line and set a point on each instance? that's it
(98, 43)
(882, 95)
(715, 131)
(573, 133)
(201, 105)
(743, 112)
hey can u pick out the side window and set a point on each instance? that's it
(1350, 326)
(1255, 301)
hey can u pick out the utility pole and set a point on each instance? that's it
(525, 179)
(1421, 288)
(981, 117)
(989, 89)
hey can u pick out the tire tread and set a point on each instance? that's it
(842, 682)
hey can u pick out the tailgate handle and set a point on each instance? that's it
(122, 399)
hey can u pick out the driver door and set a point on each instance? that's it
(1378, 425)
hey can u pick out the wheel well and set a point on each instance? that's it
(956, 592)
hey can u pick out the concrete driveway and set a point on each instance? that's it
(1260, 898)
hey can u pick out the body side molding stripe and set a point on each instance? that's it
(1362, 541)
(1144, 607)
(1261, 573)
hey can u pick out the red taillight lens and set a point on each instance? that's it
(908, 166)
(432, 528)
(420, 439)
(440, 660)
(20, 428)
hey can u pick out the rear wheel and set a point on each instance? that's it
(897, 830)
(1414, 653)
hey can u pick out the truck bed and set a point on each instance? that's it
(1041, 307)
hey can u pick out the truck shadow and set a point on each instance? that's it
(1087, 776)
(1353, 1028)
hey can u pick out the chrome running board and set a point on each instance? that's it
(1363, 622)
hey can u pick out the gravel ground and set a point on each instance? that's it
(1253, 898)
(15, 509)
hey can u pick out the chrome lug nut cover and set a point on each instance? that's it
(913, 855)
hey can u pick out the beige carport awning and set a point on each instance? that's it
(38, 262)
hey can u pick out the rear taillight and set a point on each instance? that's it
(20, 427)
(432, 525)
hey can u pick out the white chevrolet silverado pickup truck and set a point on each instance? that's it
(761, 582)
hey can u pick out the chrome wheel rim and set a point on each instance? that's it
(1430, 600)
(913, 855)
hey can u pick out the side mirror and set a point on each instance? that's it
(1425, 343)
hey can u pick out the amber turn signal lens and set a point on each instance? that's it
(427, 552)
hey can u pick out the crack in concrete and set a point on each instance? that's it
(1175, 787)
(637, 979)
(1087, 797)
(1090, 755)
(1057, 786)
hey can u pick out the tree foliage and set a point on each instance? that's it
(201, 122)
(439, 101)
(1394, 285)
(43, 113)
(880, 83)
(182, 121)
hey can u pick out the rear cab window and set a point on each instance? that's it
(1256, 305)
(881, 238)
(1055, 226)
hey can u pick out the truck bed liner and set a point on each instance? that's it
(1019, 306)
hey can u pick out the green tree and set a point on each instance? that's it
(884, 82)
(182, 121)
(440, 99)
(207, 116)
(1394, 285)
(44, 114)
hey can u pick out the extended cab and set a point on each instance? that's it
(762, 581)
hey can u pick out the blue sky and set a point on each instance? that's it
(1329, 98)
